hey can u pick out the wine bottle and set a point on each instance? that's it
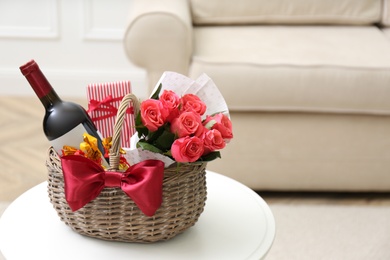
(64, 122)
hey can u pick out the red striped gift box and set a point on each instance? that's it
(103, 103)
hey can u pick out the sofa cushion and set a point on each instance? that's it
(285, 11)
(276, 68)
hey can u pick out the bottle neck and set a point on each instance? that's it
(40, 84)
(50, 99)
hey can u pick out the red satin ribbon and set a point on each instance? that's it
(85, 179)
(106, 106)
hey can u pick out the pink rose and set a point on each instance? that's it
(170, 101)
(153, 114)
(213, 141)
(191, 102)
(187, 149)
(221, 123)
(186, 124)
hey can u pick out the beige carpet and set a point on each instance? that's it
(331, 232)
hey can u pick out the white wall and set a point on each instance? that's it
(75, 42)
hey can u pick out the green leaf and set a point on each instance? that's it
(211, 156)
(153, 136)
(157, 93)
(142, 131)
(138, 120)
(149, 147)
(139, 127)
(165, 140)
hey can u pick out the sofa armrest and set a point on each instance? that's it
(158, 37)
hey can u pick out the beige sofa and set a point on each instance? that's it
(307, 83)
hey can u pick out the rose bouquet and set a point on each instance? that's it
(177, 127)
(183, 121)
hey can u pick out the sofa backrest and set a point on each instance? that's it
(386, 13)
(347, 12)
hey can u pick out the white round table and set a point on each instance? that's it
(236, 224)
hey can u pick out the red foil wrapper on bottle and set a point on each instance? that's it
(103, 103)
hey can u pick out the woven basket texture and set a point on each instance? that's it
(114, 216)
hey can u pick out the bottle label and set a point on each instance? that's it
(72, 138)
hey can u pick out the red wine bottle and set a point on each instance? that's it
(64, 122)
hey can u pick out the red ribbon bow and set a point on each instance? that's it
(85, 179)
(106, 107)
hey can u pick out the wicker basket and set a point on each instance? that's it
(114, 216)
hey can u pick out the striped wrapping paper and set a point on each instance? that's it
(103, 103)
